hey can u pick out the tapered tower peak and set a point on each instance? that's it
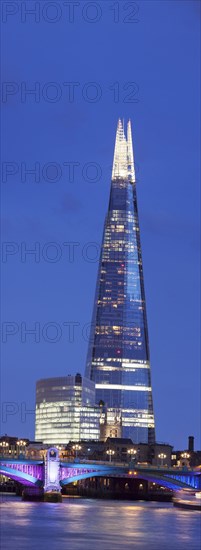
(123, 163)
(118, 354)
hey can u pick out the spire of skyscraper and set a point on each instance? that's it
(123, 163)
(131, 166)
(118, 355)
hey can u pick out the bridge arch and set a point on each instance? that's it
(174, 483)
(88, 475)
(21, 476)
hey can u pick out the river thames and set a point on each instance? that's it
(86, 524)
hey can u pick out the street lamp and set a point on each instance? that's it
(162, 456)
(110, 452)
(21, 443)
(132, 453)
(185, 455)
(76, 448)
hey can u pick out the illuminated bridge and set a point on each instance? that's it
(51, 474)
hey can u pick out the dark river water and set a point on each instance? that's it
(85, 524)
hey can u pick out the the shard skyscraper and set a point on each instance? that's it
(118, 355)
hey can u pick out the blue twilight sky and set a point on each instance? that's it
(137, 60)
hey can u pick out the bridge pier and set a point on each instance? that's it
(33, 493)
(52, 487)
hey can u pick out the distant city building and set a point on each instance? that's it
(187, 457)
(124, 450)
(110, 423)
(65, 410)
(158, 454)
(13, 446)
(118, 356)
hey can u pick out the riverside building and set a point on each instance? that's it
(65, 410)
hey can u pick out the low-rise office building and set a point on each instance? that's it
(65, 410)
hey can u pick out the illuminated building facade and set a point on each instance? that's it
(65, 410)
(110, 423)
(118, 355)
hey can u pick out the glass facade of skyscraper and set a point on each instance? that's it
(118, 355)
(65, 410)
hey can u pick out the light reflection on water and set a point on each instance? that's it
(97, 525)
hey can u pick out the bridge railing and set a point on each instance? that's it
(98, 462)
(20, 457)
(131, 465)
